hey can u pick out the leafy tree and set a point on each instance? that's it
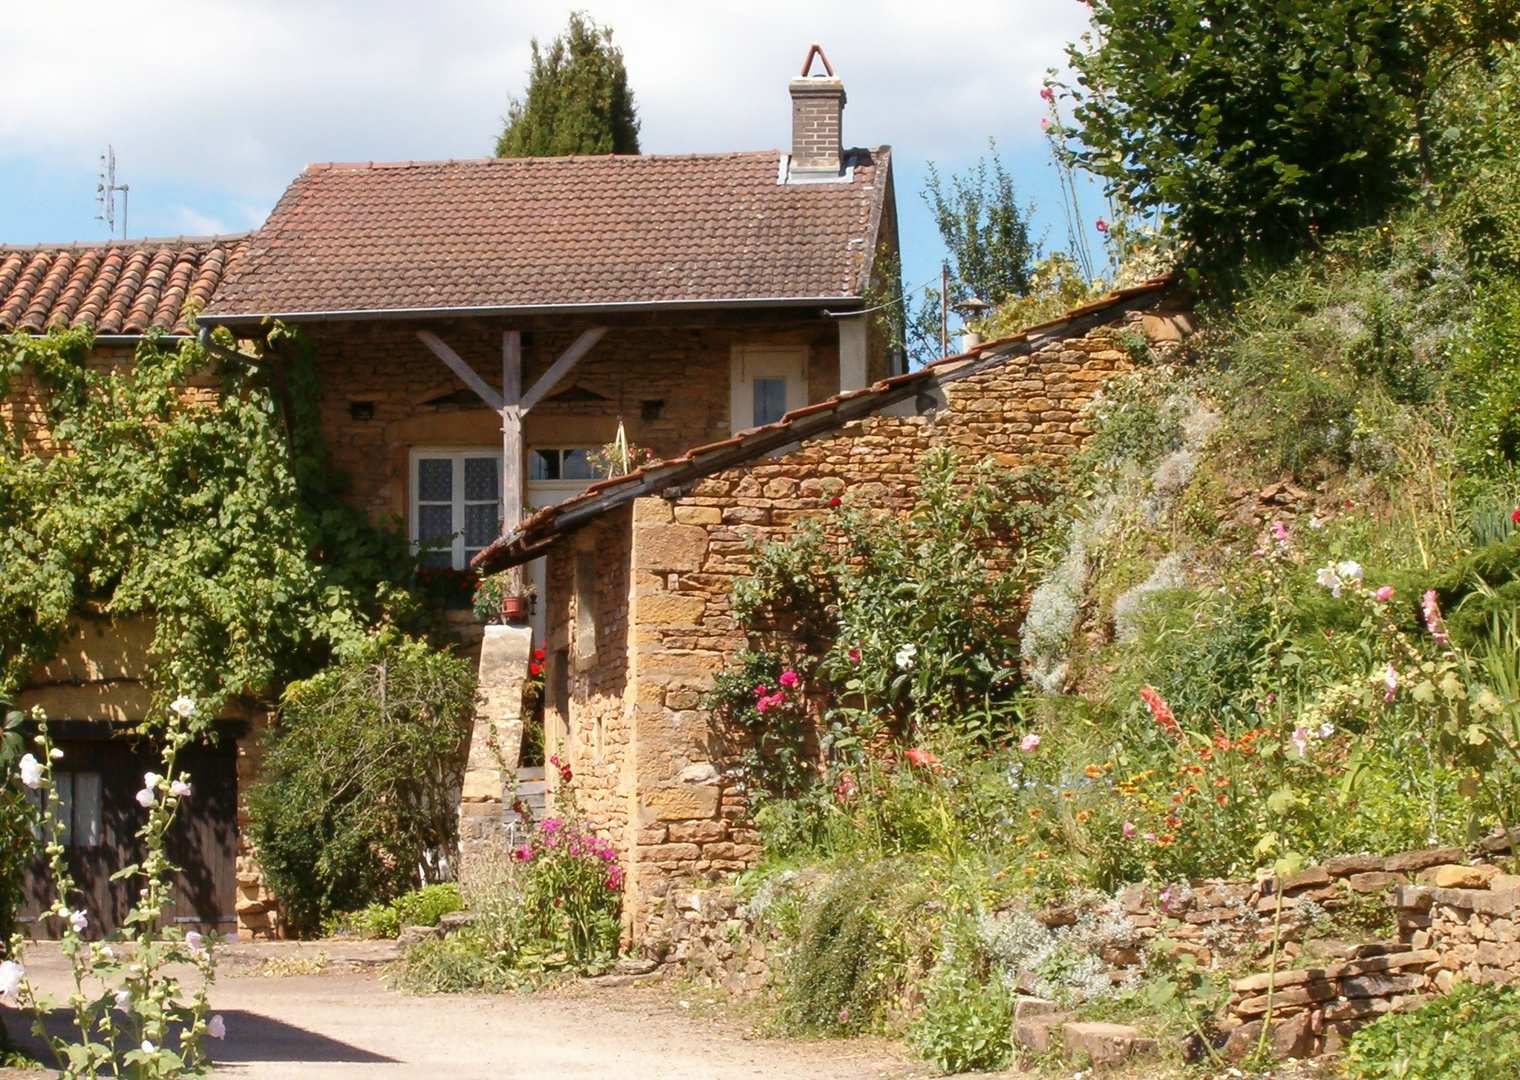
(986, 234)
(577, 102)
(357, 799)
(1252, 125)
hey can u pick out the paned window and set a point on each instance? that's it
(561, 463)
(78, 808)
(456, 504)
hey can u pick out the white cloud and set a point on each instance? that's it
(237, 95)
(191, 223)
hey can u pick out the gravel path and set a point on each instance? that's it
(346, 1023)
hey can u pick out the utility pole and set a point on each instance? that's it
(944, 310)
(105, 194)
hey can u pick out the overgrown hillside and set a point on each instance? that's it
(1272, 614)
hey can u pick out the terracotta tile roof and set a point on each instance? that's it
(549, 232)
(115, 288)
(548, 526)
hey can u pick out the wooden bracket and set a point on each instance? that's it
(459, 367)
(561, 367)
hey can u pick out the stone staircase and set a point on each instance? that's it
(532, 791)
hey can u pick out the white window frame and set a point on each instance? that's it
(765, 361)
(457, 455)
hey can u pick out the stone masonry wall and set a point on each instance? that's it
(688, 551)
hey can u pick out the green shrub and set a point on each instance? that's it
(1472, 1033)
(356, 803)
(967, 1016)
(420, 907)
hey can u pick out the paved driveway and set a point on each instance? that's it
(346, 1023)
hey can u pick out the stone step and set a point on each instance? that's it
(1106, 1043)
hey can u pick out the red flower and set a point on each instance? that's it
(836, 500)
(1102, 225)
(1514, 515)
(1047, 93)
(917, 756)
(538, 654)
(534, 668)
(1161, 711)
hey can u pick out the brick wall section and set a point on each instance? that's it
(383, 363)
(688, 818)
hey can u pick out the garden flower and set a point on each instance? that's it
(905, 656)
(917, 756)
(788, 678)
(836, 501)
(1161, 711)
(1329, 579)
(1279, 532)
(145, 798)
(183, 707)
(533, 668)
(1514, 515)
(1433, 621)
(55, 754)
(1326, 730)
(150, 780)
(79, 920)
(1300, 739)
(1129, 830)
(1047, 93)
(1029, 742)
(1102, 225)
(1149, 836)
(1350, 571)
(194, 940)
(147, 1047)
(124, 1000)
(217, 1028)
(179, 789)
(1383, 593)
(31, 772)
(1044, 122)
(11, 974)
(854, 653)
(1391, 681)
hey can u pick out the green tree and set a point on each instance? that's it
(986, 235)
(1252, 125)
(577, 102)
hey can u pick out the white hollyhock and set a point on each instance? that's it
(217, 1028)
(905, 656)
(183, 706)
(31, 771)
(11, 974)
(1349, 571)
(1329, 579)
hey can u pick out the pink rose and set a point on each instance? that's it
(1383, 593)
(1029, 742)
(788, 678)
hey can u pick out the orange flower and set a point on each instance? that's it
(921, 758)
(1093, 771)
(1221, 781)
(1161, 711)
(1222, 799)
(1065, 794)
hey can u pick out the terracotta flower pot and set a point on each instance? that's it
(514, 609)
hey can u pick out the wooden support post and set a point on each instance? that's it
(511, 442)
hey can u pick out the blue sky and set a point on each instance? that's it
(214, 105)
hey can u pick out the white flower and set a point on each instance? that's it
(217, 1028)
(145, 798)
(79, 920)
(905, 656)
(1329, 579)
(11, 974)
(31, 772)
(1350, 571)
(180, 789)
(147, 1047)
(150, 780)
(105, 950)
(1326, 730)
(194, 939)
(56, 754)
(1300, 739)
(183, 706)
(123, 1000)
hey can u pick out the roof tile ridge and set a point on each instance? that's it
(172, 300)
(69, 299)
(106, 276)
(141, 243)
(21, 292)
(37, 312)
(134, 266)
(140, 316)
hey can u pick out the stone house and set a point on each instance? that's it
(92, 691)
(641, 568)
(481, 328)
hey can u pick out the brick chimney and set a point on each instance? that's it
(817, 113)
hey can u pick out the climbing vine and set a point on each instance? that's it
(189, 488)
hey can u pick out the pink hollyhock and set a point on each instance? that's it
(1102, 225)
(1129, 830)
(1280, 532)
(1433, 621)
(1029, 742)
(1047, 93)
(1383, 593)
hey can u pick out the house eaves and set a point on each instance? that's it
(544, 529)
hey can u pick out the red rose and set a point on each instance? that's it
(538, 654)
(835, 501)
(1514, 515)
(533, 669)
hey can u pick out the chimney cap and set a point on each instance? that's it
(816, 50)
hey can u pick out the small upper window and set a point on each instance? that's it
(770, 399)
(561, 463)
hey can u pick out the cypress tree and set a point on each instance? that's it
(577, 102)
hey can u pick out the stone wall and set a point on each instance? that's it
(383, 392)
(677, 814)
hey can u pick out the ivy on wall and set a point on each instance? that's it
(194, 490)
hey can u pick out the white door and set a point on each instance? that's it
(767, 382)
(555, 473)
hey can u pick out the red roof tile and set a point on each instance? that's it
(550, 232)
(129, 287)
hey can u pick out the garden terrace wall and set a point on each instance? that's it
(684, 808)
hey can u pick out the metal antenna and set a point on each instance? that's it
(105, 194)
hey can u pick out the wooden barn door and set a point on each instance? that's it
(98, 781)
